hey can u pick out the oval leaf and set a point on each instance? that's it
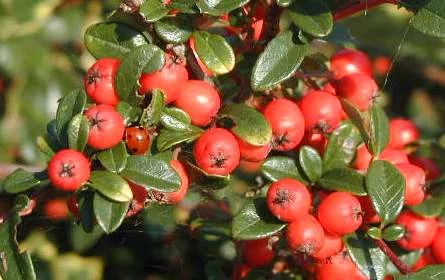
(313, 17)
(153, 10)
(378, 130)
(111, 185)
(152, 114)
(175, 119)
(393, 233)
(279, 167)
(430, 272)
(430, 19)
(430, 207)
(69, 105)
(114, 159)
(175, 30)
(78, 132)
(109, 214)
(129, 113)
(219, 7)
(21, 180)
(343, 179)
(310, 162)
(168, 138)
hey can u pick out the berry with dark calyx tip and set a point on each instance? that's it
(106, 127)
(140, 195)
(332, 245)
(253, 153)
(257, 253)
(357, 88)
(305, 235)
(138, 139)
(415, 183)
(288, 199)
(56, 209)
(217, 152)
(349, 61)
(402, 132)
(419, 231)
(68, 170)
(439, 245)
(432, 170)
(99, 81)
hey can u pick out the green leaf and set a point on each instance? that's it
(284, 3)
(248, 124)
(430, 207)
(430, 272)
(151, 172)
(147, 58)
(386, 188)
(214, 51)
(175, 30)
(152, 114)
(378, 130)
(374, 233)
(44, 147)
(81, 240)
(70, 105)
(393, 232)
(109, 214)
(111, 185)
(129, 113)
(153, 10)
(278, 62)
(356, 118)
(430, 19)
(175, 119)
(168, 138)
(86, 210)
(368, 257)
(114, 159)
(219, 7)
(341, 147)
(310, 162)
(255, 221)
(343, 179)
(279, 167)
(313, 17)
(112, 40)
(78, 130)
(21, 180)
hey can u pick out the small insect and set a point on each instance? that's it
(138, 139)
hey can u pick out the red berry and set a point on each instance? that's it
(394, 156)
(414, 183)
(419, 231)
(369, 214)
(402, 133)
(68, 170)
(217, 152)
(439, 245)
(138, 139)
(200, 100)
(258, 21)
(348, 61)
(106, 127)
(382, 65)
(73, 206)
(357, 88)
(241, 272)
(253, 153)
(250, 167)
(140, 195)
(287, 123)
(432, 170)
(427, 258)
(99, 81)
(316, 140)
(329, 87)
(56, 209)
(305, 235)
(331, 246)
(337, 267)
(363, 157)
(257, 253)
(288, 199)
(177, 196)
(340, 213)
(321, 111)
(169, 80)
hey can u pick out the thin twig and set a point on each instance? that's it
(398, 263)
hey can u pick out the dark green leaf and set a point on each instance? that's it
(310, 162)
(70, 105)
(175, 119)
(109, 214)
(313, 17)
(343, 179)
(153, 10)
(112, 40)
(175, 30)
(81, 240)
(378, 130)
(86, 209)
(111, 185)
(78, 130)
(279, 167)
(214, 52)
(430, 207)
(185, 6)
(152, 114)
(219, 7)
(128, 112)
(386, 188)
(21, 180)
(152, 173)
(278, 62)
(430, 272)
(44, 147)
(255, 221)
(114, 159)
(168, 138)
(393, 233)
(430, 19)
(248, 124)
(356, 118)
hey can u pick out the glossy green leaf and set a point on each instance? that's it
(357, 119)
(129, 113)
(219, 7)
(255, 221)
(313, 17)
(86, 211)
(185, 6)
(430, 19)
(430, 207)
(147, 58)
(21, 180)
(151, 172)
(168, 138)
(152, 114)
(378, 130)
(69, 105)
(109, 214)
(386, 188)
(78, 130)
(175, 119)
(114, 159)
(374, 233)
(393, 233)
(341, 147)
(214, 52)
(44, 147)
(279, 167)
(343, 179)
(175, 30)
(430, 272)
(81, 240)
(112, 40)
(248, 124)
(153, 10)
(278, 62)
(111, 185)
(284, 3)
(310, 162)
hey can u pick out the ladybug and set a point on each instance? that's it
(138, 139)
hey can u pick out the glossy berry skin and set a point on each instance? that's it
(305, 235)
(287, 123)
(340, 213)
(349, 61)
(106, 127)
(99, 81)
(56, 209)
(68, 170)
(288, 199)
(359, 89)
(432, 170)
(369, 214)
(419, 231)
(337, 267)
(253, 153)
(140, 195)
(363, 157)
(138, 139)
(321, 111)
(200, 100)
(439, 245)
(414, 183)
(177, 196)
(217, 152)
(316, 140)
(258, 21)
(382, 65)
(73, 206)
(402, 132)
(169, 80)
(257, 252)
(332, 245)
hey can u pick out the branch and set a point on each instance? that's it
(401, 266)
(360, 6)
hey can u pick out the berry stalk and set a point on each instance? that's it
(398, 263)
